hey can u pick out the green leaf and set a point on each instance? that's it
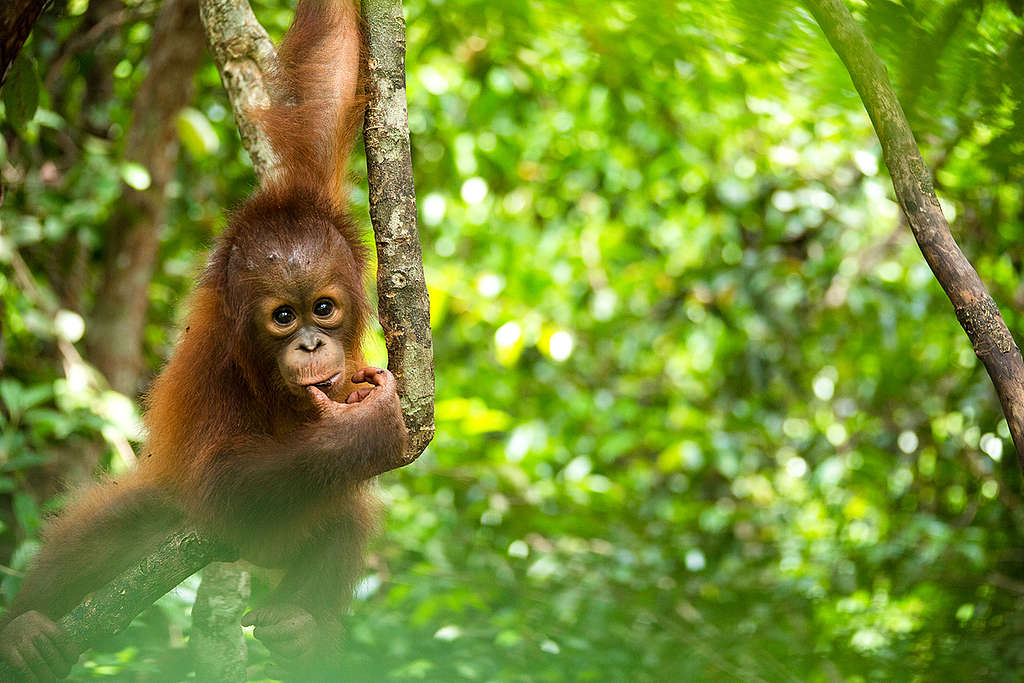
(23, 461)
(21, 92)
(10, 396)
(196, 133)
(36, 394)
(135, 175)
(48, 421)
(26, 511)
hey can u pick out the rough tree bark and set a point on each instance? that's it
(110, 609)
(217, 641)
(243, 52)
(115, 333)
(17, 17)
(977, 312)
(240, 49)
(403, 305)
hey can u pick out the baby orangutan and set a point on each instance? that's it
(265, 425)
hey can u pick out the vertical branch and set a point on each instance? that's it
(243, 52)
(977, 312)
(217, 642)
(403, 305)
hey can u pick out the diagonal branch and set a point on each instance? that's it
(977, 312)
(243, 51)
(110, 609)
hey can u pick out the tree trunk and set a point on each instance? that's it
(217, 641)
(17, 17)
(114, 340)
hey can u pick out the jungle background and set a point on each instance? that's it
(703, 413)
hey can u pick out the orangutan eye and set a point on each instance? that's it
(323, 308)
(284, 316)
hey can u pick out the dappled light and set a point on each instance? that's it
(702, 410)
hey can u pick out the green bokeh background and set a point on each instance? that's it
(703, 413)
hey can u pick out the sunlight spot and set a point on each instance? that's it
(694, 560)
(448, 633)
(577, 468)
(489, 285)
(70, 326)
(550, 646)
(824, 387)
(796, 467)
(866, 162)
(474, 190)
(784, 201)
(433, 208)
(508, 334)
(433, 80)
(907, 441)
(560, 345)
(992, 445)
(518, 548)
(836, 434)
(367, 587)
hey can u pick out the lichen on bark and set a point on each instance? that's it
(403, 304)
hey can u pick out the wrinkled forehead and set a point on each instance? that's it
(294, 273)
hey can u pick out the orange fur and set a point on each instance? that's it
(233, 449)
(317, 100)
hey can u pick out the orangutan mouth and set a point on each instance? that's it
(325, 384)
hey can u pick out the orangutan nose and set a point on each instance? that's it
(310, 341)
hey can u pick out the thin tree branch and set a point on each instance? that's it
(110, 609)
(243, 52)
(977, 312)
(217, 641)
(403, 304)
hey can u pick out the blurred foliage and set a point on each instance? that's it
(703, 413)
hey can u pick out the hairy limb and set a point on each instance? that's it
(37, 648)
(348, 443)
(301, 624)
(109, 528)
(112, 526)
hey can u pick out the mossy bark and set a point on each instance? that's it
(974, 307)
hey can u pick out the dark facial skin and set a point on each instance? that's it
(306, 330)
